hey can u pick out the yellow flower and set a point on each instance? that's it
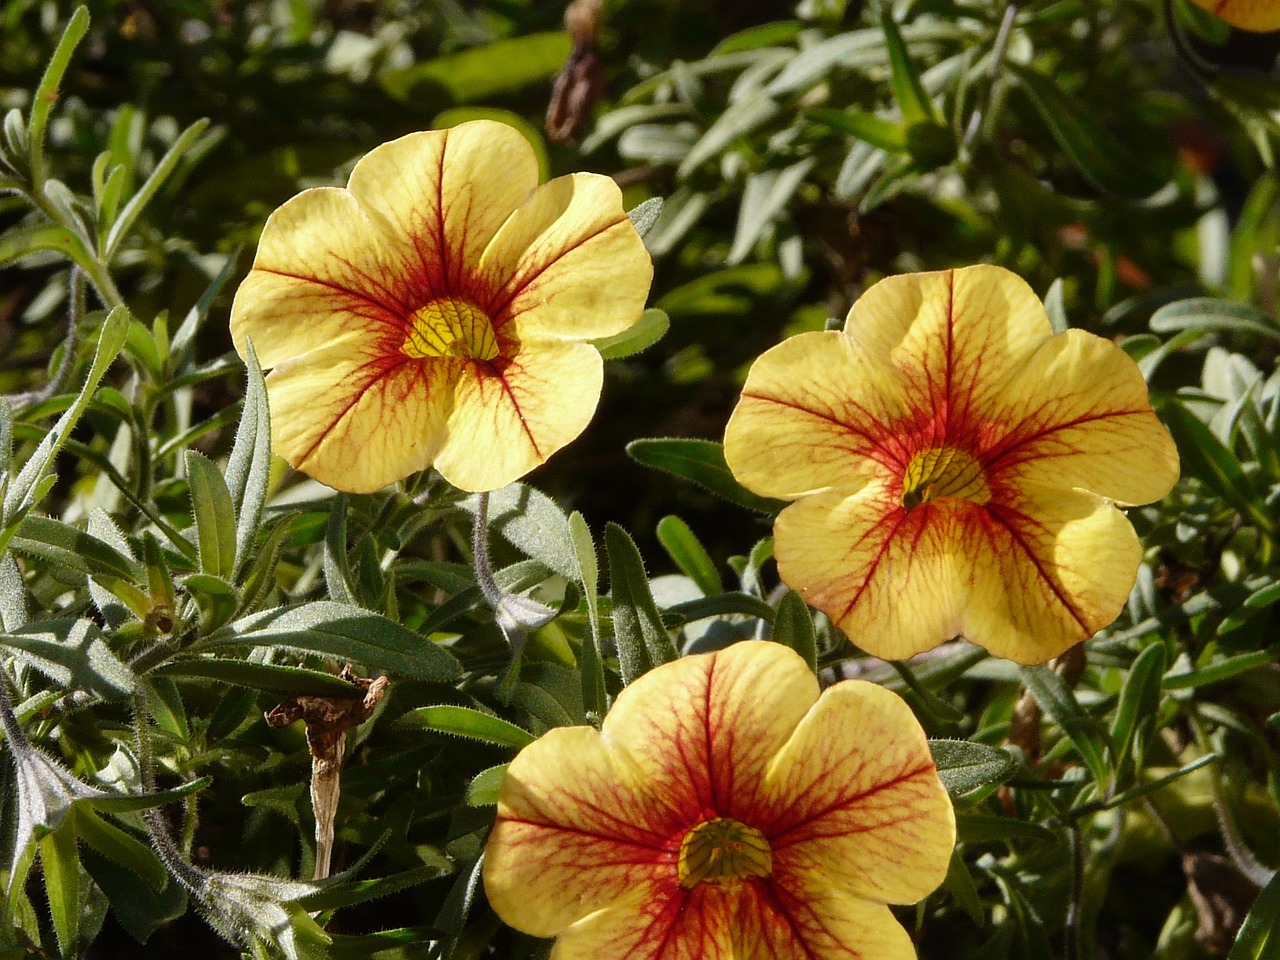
(1259, 16)
(724, 810)
(433, 311)
(956, 467)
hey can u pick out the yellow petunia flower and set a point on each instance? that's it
(1259, 16)
(724, 810)
(433, 312)
(956, 467)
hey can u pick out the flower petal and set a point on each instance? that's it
(887, 576)
(814, 413)
(1083, 419)
(443, 194)
(1056, 567)
(323, 271)
(854, 799)
(509, 417)
(956, 335)
(1026, 578)
(1260, 16)
(809, 918)
(578, 829)
(656, 925)
(707, 726)
(357, 415)
(568, 264)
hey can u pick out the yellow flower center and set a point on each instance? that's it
(943, 472)
(450, 328)
(723, 851)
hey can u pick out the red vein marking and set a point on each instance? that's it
(991, 460)
(525, 282)
(775, 892)
(777, 839)
(607, 838)
(506, 387)
(871, 568)
(1040, 571)
(712, 772)
(330, 285)
(356, 397)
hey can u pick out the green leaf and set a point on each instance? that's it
(21, 493)
(140, 910)
(1213, 315)
(46, 94)
(701, 461)
(163, 170)
(249, 466)
(284, 681)
(644, 216)
(119, 847)
(982, 828)
(26, 239)
(1222, 669)
(1259, 936)
(965, 767)
(73, 654)
(340, 631)
(1205, 457)
(651, 327)
(737, 120)
(1135, 717)
(530, 520)
(61, 868)
(469, 723)
(131, 803)
(793, 627)
(880, 132)
(1057, 700)
(337, 568)
(215, 516)
(351, 892)
(594, 695)
(642, 638)
(912, 100)
(1105, 160)
(717, 605)
(764, 198)
(72, 549)
(481, 73)
(484, 787)
(688, 553)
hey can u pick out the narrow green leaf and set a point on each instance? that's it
(1135, 717)
(688, 553)
(907, 88)
(642, 638)
(282, 680)
(880, 132)
(361, 891)
(959, 883)
(1057, 700)
(249, 466)
(983, 828)
(1205, 457)
(337, 568)
(530, 520)
(1215, 316)
(965, 767)
(72, 549)
(482, 73)
(215, 516)
(651, 327)
(340, 631)
(46, 94)
(26, 239)
(62, 885)
(1259, 936)
(131, 803)
(140, 910)
(737, 120)
(484, 787)
(146, 193)
(1222, 669)
(793, 627)
(20, 494)
(469, 723)
(764, 198)
(1101, 157)
(595, 698)
(120, 847)
(73, 654)
(701, 461)
(718, 605)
